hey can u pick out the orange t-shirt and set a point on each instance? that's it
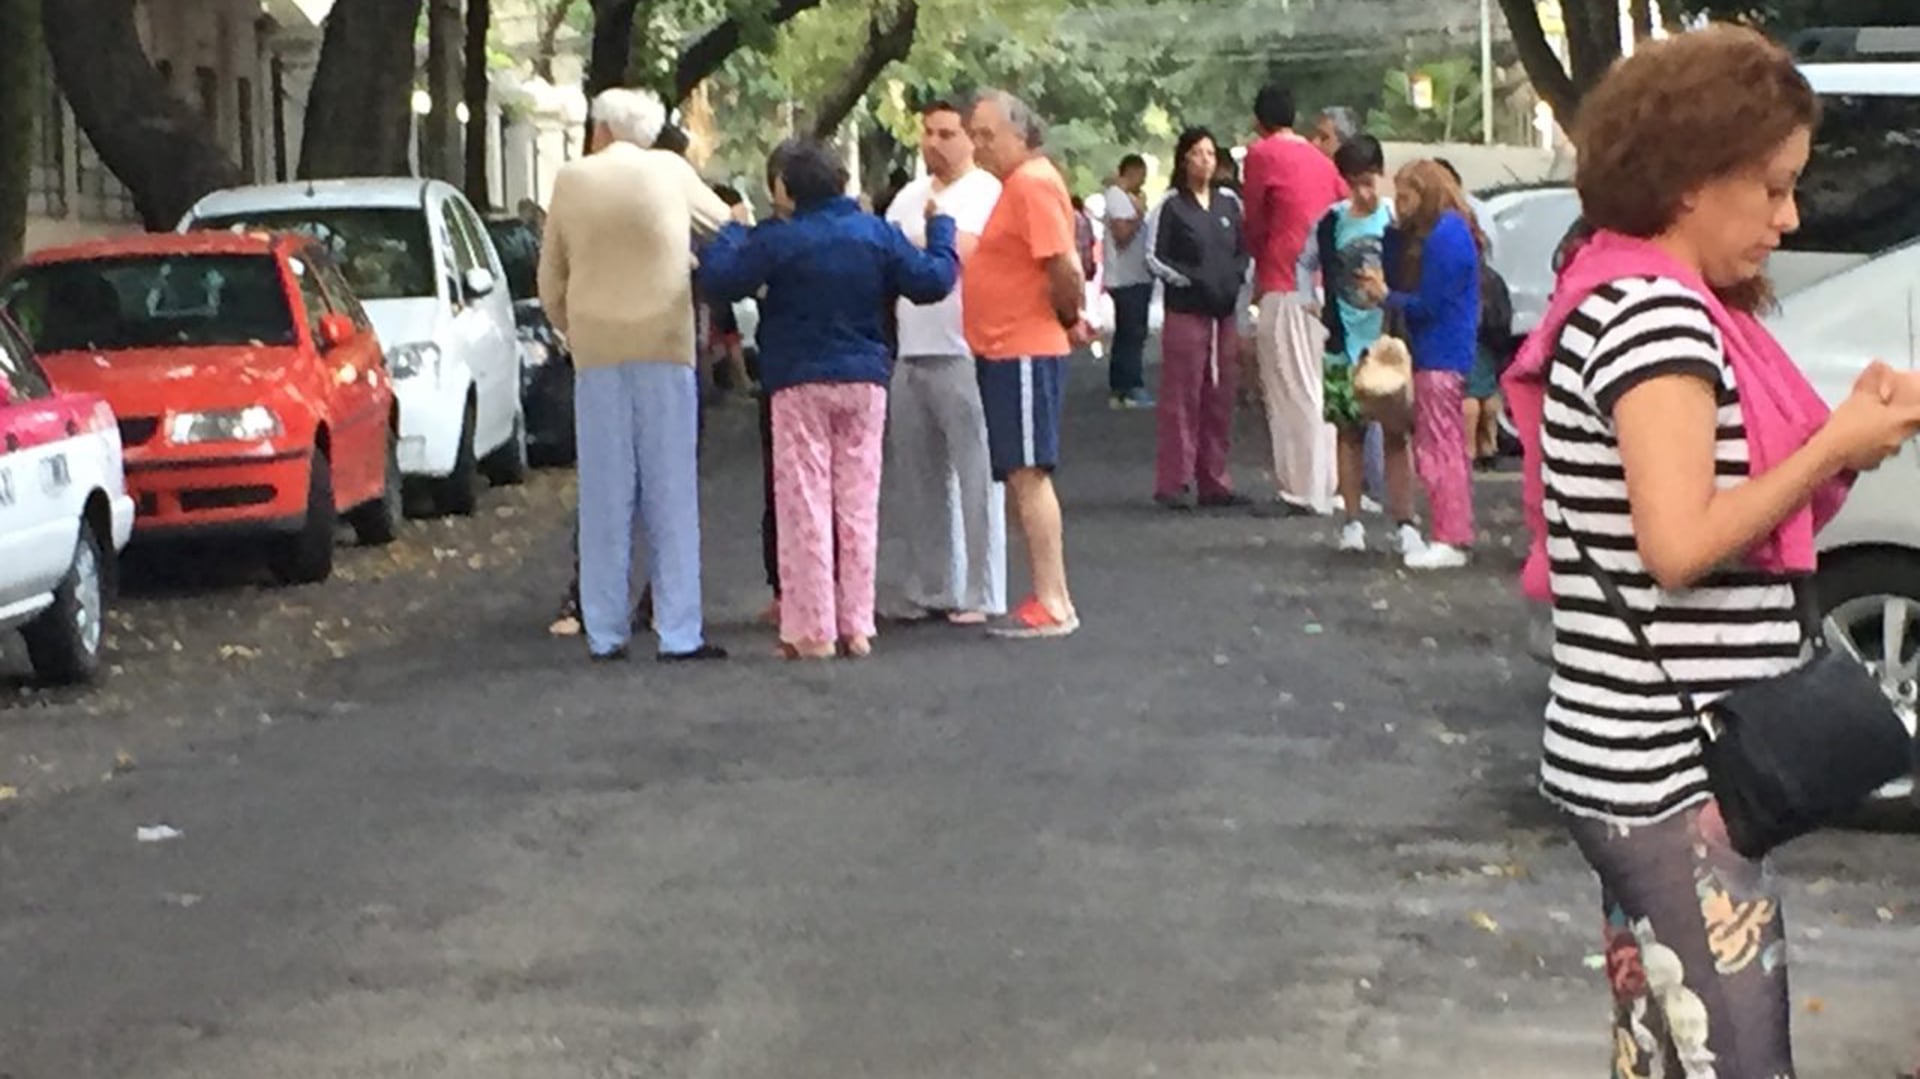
(1005, 296)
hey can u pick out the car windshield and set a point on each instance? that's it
(519, 247)
(384, 253)
(1856, 197)
(162, 301)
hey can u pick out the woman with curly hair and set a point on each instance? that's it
(1679, 467)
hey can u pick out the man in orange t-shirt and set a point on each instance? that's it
(1022, 295)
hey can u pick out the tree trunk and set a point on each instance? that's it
(704, 55)
(440, 149)
(1593, 39)
(1642, 13)
(889, 40)
(163, 152)
(612, 44)
(359, 110)
(1549, 76)
(479, 20)
(21, 96)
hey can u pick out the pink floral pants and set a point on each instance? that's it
(1440, 454)
(827, 439)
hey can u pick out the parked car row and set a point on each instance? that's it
(295, 357)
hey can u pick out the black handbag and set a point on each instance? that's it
(1790, 754)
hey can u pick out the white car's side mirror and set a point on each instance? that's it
(478, 282)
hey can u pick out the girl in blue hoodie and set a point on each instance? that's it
(1432, 262)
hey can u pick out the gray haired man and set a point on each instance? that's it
(628, 213)
(1336, 125)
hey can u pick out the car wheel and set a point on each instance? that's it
(1871, 601)
(306, 557)
(63, 643)
(507, 466)
(459, 494)
(378, 522)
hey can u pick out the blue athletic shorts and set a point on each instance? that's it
(1022, 399)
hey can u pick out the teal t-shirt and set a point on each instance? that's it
(1357, 243)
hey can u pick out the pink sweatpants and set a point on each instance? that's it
(827, 442)
(1440, 454)
(1199, 376)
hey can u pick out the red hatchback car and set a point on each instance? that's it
(251, 392)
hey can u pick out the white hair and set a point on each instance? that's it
(1346, 123)
(1020, 116)
(634, 116)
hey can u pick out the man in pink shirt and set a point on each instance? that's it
(1289, 186)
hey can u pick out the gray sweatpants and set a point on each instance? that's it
(950, 513)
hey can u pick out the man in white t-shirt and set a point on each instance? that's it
(951, 512)
(1129, 283)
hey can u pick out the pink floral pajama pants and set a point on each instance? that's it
(827, 440)
(1440, 454)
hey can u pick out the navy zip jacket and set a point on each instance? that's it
(1200, 252)
(1443, 308)
(831, 274)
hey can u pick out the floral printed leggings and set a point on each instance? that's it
(1696, 950)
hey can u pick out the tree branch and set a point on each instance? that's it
(1549, 77)
(889, 39)
(164, 152)
(547, 45)
(704, 55)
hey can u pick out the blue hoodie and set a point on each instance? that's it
(831, 274)
(1443, 309)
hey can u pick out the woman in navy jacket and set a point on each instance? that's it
(831, 273)
(1432, 258)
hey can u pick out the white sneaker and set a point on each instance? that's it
(1437, 556)
(1353, 538)
(1408, 541)
(1368, 505)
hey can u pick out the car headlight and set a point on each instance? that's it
(406, 361)
(250, 424)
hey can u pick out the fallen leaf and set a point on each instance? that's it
(8, 793)
(1482, 920)
(123, 763)
(1815, 1005)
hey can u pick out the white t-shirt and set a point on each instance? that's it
(1125, 265)
(935, 329)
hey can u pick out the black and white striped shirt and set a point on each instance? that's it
(1619, 745)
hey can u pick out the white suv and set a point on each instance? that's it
(64, 514)
(427, 272)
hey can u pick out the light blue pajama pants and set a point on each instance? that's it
(637, 428)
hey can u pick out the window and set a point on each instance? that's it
(102, 196)
(314, 300)
(464, 256)
(245, 116)
(1856, 197)
(206, 82)
(47, 185)
(384, 252)
(19, 367)
(340, 296)
(151, 302)
(519, 247)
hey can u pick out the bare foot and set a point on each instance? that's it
(967, 618)
(565, 626)
(857, 646)
(771, 616)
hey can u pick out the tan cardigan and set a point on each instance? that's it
(616, 263)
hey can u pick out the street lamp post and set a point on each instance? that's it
(1486, 71)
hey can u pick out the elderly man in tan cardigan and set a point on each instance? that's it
(615, 277)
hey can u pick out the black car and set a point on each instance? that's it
(547, 376)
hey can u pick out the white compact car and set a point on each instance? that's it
(427, 272)
(64, 514)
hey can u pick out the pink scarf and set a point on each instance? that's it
(1780, 409)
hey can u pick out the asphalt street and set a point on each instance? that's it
(1270, 814)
